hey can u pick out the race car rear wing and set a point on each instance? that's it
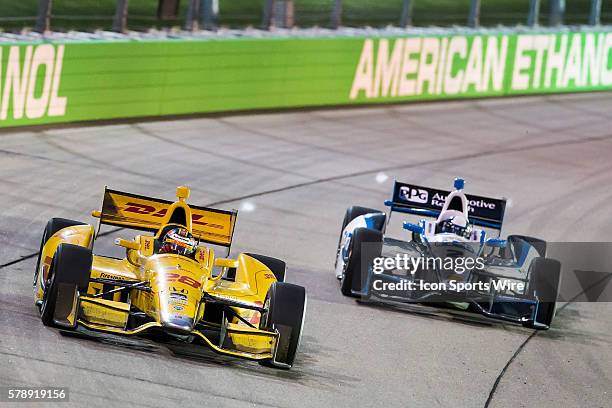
(428, 202)
(146, 214)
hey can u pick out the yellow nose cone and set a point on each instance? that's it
(182, 192)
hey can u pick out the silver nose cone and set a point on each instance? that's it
(178, 324)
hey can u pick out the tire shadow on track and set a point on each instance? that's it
(569, 326)
(443, 314)
(305, 371)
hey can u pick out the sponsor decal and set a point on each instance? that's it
(187, 280)
(175, 290)
(256, 316)
(416, 195)
(481, 64)
(202, 254)
(433, 199)
(176, 295)
(177, 299)
(104, 275)
(30, 81)
(439, 199)
(146, 209)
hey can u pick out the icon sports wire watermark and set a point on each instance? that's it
(507, 269)
(451, 270)
(34, 394)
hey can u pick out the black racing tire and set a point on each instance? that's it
(53, 226)
(544, 280)
(70, 272)
(517, 245)
(286, 304)
(278, 267)
(360, 258)
(352, 213)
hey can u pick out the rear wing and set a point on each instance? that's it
(146, 214)
(428, 202)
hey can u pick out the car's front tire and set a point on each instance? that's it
(53, 225)
(68, 276)
(351, 213)
(278, 267)
(365, 245)
(518, 245)
(286, 310)
(544, 280)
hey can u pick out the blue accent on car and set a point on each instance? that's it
(495, 242)
(413, 227)
(524, 252)
(345, 247)
(369, 220)
(459, 184)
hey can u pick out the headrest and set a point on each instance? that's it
(457, 216)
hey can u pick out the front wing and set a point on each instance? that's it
(233, 339)
(513, 309)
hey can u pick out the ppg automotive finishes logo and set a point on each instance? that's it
(415, 195)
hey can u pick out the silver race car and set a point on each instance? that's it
(452, 257)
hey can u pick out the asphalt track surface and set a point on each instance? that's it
(292, 175)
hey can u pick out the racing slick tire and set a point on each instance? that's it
(286, 305)
(53, 226)
(69, 275)
(544, 279)
(278, 267)
(352, 213)
(360, 258)
(537, 243)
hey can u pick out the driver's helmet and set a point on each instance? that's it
(178, 241)
(455, 224)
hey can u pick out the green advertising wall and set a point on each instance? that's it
(42, 83)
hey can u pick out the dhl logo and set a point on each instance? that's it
(145, 209)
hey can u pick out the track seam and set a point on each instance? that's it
(532, 335)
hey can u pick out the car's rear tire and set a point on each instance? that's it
(365, 245)
(53, 225)
(544, 280)
(69, 275)
(352, 213)
(278, 267)
(286, 305)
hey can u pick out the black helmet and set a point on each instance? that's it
(454, 225)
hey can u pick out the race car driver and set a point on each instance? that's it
(178, 241)
(454, 222)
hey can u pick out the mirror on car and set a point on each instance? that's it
(416, 228)
(496, 242)
(226, 263)
(127, 244)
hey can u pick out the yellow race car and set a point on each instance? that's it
(170, 283)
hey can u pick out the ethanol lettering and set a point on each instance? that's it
(481, 64)
(30, 79)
